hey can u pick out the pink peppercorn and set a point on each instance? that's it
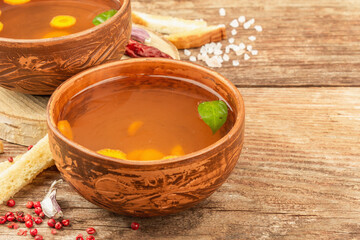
(51, 222)
(37, 204)
(38, 237)
(33, 232)
(10, 203)
(30, 204)
(38, 220)
(65, 222)
(38, 210)
(58, 225)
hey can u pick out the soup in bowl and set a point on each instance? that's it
(131, 136)
(44, 42)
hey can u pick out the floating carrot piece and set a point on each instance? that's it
(62, 21)
(1, 26)
(151, 154)
(145, 155)
(169, 157)
(134, 127)
(113, 153)
(65, 128)
(56, 33)
(177, 150)
(16, 2)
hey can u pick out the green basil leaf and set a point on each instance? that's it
(102, 17)
(213, 113)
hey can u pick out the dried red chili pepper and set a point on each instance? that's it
(135, 49)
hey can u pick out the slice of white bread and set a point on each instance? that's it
(25, 169)
(166, 24)
(197, 37)
(6, 164)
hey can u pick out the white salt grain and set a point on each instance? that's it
(235, 63)
(241, 19)
(211, 50)
(234, 23)
(231, 40)
(233, 32)
(254, 52)
(248, 24)
(242, 46)
(239, 52)
(227, 49)
(234, 47)
(213, 62)
(226, 57)
(193, 58)
(246, 57)
(222, 12)
(258, 28)
(218, 52)
(252, 38)
(249, 47)
(187, 52)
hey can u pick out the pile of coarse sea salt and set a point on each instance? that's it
(215, 54)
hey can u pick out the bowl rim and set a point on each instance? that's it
(239, 120)
(55, 40)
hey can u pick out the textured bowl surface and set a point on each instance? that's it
(148, 188)
(39, 66)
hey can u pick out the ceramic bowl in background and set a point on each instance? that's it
(39, 66)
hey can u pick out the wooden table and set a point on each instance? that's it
(299, 173)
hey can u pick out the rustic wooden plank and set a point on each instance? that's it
(303, 43)
(298, 178)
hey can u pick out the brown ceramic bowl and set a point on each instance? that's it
(39, 66)
(146, 188)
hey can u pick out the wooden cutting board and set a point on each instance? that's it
(23, 117)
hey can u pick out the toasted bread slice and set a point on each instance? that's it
(6, 164)
(197, 37)
(24, 170)
(166, 24)
(1, 147)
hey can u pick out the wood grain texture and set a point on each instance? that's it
(298, 178)
(23, 117)
(303, 43)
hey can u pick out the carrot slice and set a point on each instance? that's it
(16, 2)
(62, 21)
(113, 153)
(1, 26)
(65, 128)
(134, 127)
(145, 155)
(169, 157)
(56, 33)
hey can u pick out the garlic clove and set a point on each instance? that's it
(140, 35)
(49, 205)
